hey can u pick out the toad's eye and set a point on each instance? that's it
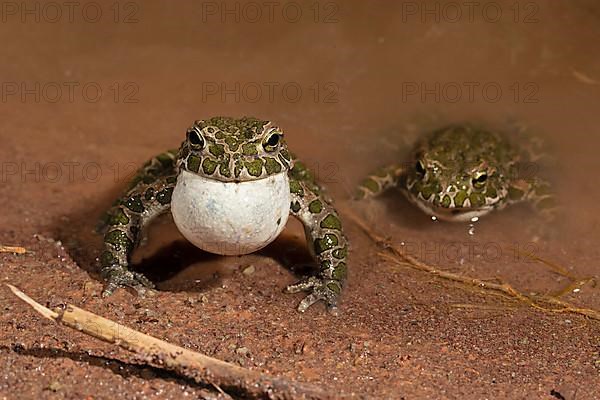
(195, 139)
(271, 143)
(479, 179)
(420, 168)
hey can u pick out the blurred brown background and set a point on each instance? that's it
(90, 90)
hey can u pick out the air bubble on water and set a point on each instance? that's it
(433, 218)
(472, 225)
(471, 229)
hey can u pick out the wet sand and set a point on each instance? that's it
(85, 102)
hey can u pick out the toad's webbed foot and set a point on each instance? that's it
(327, 290)
(120, 277)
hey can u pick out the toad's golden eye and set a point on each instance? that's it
(272, 141)
(479, 179)
(195, 138)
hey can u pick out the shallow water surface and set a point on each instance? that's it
(353, 84)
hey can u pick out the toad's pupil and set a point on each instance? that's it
(419, 168)
(481, 179)
(195, 138)
(273, 140)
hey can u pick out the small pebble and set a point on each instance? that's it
(242, 351)
(299, 347)
(190, 301)
(249, 270)
(149, 313)
(54, 386)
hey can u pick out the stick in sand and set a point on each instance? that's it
(13, 249)
(401, 258)
(200, 368)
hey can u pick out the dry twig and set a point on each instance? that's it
(13, 249)
(200, 368)
(540, 302)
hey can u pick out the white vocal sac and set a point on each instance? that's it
(230, 218)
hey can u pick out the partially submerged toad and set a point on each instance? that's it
(460, 173)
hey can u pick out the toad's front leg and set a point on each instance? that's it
(148, 197)
(539, 193)
(326, 242)
(380, 181)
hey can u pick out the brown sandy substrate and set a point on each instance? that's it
(401, 333)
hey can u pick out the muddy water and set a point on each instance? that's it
(88, 97)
